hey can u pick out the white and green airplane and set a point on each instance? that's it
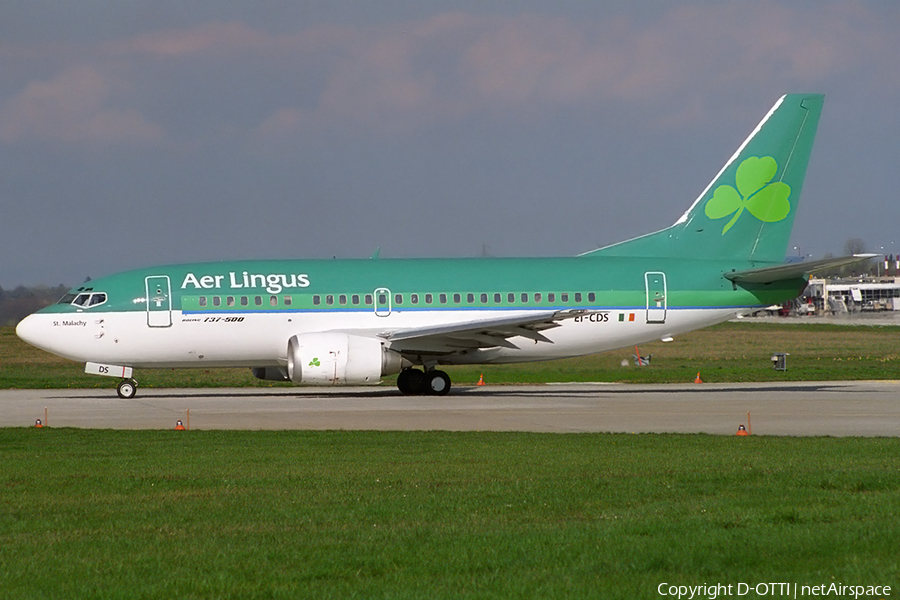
(335, 322)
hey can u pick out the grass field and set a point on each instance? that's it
(205, 514)
(217, 514)
(725, 353)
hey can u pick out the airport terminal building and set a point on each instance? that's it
(836, 296)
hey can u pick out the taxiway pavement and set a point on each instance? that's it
(835, 408)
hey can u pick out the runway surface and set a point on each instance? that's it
(870, 408)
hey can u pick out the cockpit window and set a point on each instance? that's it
(84, 300)
(96, 299)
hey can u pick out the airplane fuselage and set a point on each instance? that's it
(243, 313)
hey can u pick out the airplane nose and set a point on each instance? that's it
(55, 334)
(32, 330)
(36, 330)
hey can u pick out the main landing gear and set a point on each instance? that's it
(127, 389)
(430, 383)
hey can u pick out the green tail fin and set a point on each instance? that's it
(748, 209)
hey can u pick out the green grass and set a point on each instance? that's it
(150, 514)
(726, 353)
(137, 514)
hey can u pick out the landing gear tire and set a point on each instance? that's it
(411, 381)
(437, 383)
(127, 389)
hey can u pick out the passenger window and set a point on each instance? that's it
(429, 298)
(202, 301)
(382, 299)
(470, 298)
(577, 296)
(511, 298)
(524, 298)
(273, 300)
(551, 297)
(414, 298)
(592, 297)
(217, 301)
(355, 299)
(317, 299)
(342, 299)
(329, 299)
(245, 301)
(457, 298)
(258, 301)
(443, 298)
(398, 298)
(564, 297)
(498, 298)
(368, 299)
(229, 301)
(288, 300)
(537, 297)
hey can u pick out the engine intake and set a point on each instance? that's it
(339, 359)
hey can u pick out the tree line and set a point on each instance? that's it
(20, 302)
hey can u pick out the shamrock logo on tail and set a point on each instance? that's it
(315, 362)
(766, 201)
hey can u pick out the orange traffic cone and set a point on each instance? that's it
(741, 431)
(481, 380)
(179, 426)
(697, 379)
(38, 424)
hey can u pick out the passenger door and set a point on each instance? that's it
(159, 300)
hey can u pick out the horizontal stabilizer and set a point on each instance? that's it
(799, 270)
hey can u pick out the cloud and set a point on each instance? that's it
(283, 122)
(214, 37)
(73, 107)
(411, 74)
(453, 65)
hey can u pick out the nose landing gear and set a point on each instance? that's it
(127, 389)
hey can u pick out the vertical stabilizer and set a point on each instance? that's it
(747, 211)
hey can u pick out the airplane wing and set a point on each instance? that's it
(794, 270)
(483, 333)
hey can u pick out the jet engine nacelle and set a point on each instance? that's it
(339, 359)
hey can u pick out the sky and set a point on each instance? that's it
(135, 134)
